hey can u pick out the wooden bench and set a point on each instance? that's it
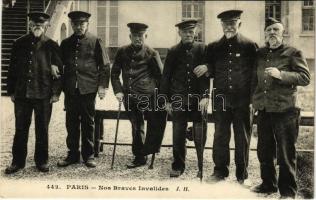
(307, 119)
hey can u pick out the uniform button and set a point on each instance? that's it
(30, 62)
(230, 45)
(32, 43)
(230, 53)
(188, 65)
(188, 80)
(77, 51)
(30, 70)
(132, 60)
(187, 51)
(189, 87)
(230, 70)
(230, 87)
(268, 60)
(230, 61)
(265, 92)
(29, 80)
(265, 81)
(31, 52)
(188, 72)
(76, 64)
(230, 78)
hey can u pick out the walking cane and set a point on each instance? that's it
(116, 133)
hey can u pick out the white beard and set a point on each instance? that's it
(37, 33)
(274, 42)
(229, 35)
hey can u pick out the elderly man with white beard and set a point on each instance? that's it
(279, 69)
(32, 87)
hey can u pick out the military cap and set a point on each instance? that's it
(79, 16)
(271, 21)
(38, 17)
(229, 15)
(187, 24)
(137, 27)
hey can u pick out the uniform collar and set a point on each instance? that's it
(280, 47)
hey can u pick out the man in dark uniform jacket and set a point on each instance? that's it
(32, 87)
(186, 94)
(230, 62)
(86, 72)
(280, 68)
(141, 75)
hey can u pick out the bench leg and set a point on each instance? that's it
(97, 137)
(101, 135)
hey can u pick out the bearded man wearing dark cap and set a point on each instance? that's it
(187, 94)
(280, 69)
(141, 70)
(86, 73)
(32, 87)
(230, 62)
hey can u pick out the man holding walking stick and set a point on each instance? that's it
(141, 76)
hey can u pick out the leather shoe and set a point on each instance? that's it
(43, 168)
(176, 173)
(137, 162)
(263, 188)
(90, 163)
(66, 162)
(217, 176)
(12, 169)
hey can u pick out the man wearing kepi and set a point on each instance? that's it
(86, 72)
(32, 87)
(230, 62)
(141, 75)
(280, 68)
(187, 94)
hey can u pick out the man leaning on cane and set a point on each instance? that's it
(141, 77)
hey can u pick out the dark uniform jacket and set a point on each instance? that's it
(178, 77)
(140, 71)
(230, 63)
(272, 94)
(30, 68)
(86, 64)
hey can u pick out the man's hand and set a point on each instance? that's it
(54, 99)
(168, 108)
(119, 96)
(12, 98)
(101, 92)
(55, 72)
(274, 72)
(200, 70)
(204, 105)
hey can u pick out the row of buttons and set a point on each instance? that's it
(30, 62)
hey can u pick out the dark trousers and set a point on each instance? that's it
(277, 134)
(179, 124)
(23, 109)
(156, 122)
(241, 118)
(80, 112)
